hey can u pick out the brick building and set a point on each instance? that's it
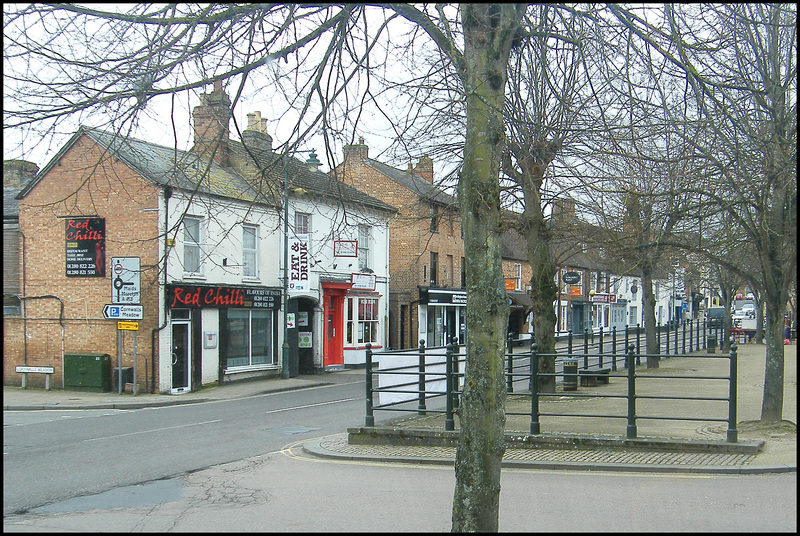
(428, 283)
(205, 231)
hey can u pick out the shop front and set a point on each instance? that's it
(443, 316)
(220, 333)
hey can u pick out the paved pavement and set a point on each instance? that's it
(665, 446)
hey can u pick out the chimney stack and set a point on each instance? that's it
(211, 125)
(359, 152)
(255, 135)
(425, 168)
(17, 173)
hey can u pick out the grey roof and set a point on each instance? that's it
(413, 182)
(168, 166)
(10, 205)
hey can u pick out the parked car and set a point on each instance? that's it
(749, 309)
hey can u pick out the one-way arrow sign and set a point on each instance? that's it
(123, 312)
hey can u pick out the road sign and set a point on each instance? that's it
(125, 280)
(130, 326)
(123, 312)
(42, 370)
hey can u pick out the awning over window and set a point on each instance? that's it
(520, 300)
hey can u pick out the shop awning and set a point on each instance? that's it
(520, 300)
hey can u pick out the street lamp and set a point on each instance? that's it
(312, 161)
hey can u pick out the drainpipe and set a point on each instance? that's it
(167, 195)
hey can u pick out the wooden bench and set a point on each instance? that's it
(590, 377)
(25, 370)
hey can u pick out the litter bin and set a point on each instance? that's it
(570, 374)
(87, 372)
(712, 344)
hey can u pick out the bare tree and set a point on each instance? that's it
(78, 62)
(740, 62)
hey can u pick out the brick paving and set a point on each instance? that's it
(341, 446)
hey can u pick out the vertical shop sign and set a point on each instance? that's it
(298, 263)
(85, 242)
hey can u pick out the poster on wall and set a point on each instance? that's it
(85, 246)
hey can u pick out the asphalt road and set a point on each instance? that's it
(289, 491)
(54, 455)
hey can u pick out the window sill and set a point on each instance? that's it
(250, 368)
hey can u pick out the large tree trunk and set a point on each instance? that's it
(772, 401)
(649, 317)
(544, 291)
(488, 32)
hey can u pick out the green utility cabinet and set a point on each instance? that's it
(87, 372)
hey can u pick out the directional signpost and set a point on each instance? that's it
(125, 279)
(123, 312)
(125, 296)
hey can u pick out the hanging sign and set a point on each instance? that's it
(85, 244)
(571, 278)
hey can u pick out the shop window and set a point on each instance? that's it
(249, 251)
(361, 321)
(249, 338)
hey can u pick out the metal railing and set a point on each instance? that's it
(425, 374)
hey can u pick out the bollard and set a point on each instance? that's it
(631, 429)
(732, 434)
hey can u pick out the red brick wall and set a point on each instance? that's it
(84, 182)
(411, 243)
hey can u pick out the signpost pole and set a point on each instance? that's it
(119, 362)
(135, 385)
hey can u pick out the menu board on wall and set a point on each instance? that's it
(85, 243)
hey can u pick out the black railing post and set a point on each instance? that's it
(733, 434)
(638, 346)
(691, 347)
(705, 334)
(534, 366)
(683, 336)
(600, 349)
(666, 346)
(449, 423)
(626, 347)
(614, 348)
(569, 343)
(586, 348)
(631, 430)
(421, 405)
(676, 337)
(658, 338)
(510, 364)
(697, 330)
(369, 420)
